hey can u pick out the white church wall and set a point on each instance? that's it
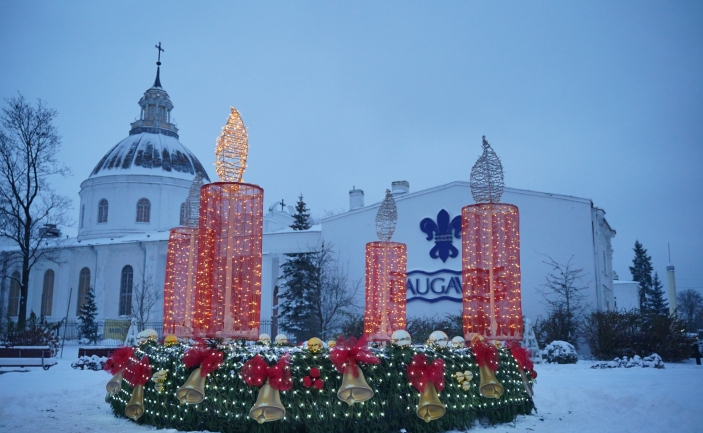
(122, 193)
(551, 225)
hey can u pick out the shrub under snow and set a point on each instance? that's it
(94, 362)
(652, 360)
(560, 352)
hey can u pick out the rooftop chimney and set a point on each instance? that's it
(356, 198)
(400, 187)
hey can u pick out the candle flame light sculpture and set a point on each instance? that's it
(228, 283)
(386, 264)
(490, 238)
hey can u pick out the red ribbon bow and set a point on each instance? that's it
(119, 360)
(486, 354)
(138, 373)
(521, 355)
(209, 360)
(255, 372)
(420, 372)
(351, 353)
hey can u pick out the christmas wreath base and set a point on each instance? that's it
(315, 407)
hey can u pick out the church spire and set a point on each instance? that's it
(157, 82)
(156, 106)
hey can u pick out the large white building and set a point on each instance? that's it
(135, 195)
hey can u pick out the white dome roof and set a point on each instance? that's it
(150, 154)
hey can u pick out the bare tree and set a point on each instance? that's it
(563, 292)
(145, 295)
(29, 144)
(690, 308)
(336, 298)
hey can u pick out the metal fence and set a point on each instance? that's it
(112, 333)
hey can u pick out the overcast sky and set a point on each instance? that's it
(597, 99)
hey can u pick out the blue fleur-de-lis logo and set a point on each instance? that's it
(443, 231)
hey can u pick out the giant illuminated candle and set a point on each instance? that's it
(490, 238)
(179, 286)
(386, 270)
(181, 262)
(228, 283)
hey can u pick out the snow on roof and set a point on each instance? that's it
(150, 154)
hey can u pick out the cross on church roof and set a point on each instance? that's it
(158, 47)
(157, 82)
(282, 205)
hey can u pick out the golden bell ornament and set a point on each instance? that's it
(489, 385)
(115, 384)
(135, 406)
(268, 405)
(526, 383)
(354, 389)
(193, 391)
(430, 408)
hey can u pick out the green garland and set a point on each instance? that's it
(229, 399)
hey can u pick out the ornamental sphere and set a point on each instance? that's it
(401, 338)
(147, 335)
(281, 339)
(170, 340)
(331, 344)
(438, 339)
(458, 342)
(265, 339)
(314, 345)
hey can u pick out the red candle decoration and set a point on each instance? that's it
(492, 303)
(179, 287)
(228, 283)
(386, 264)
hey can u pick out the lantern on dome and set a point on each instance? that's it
(228, 283)
(386, 264)
(181, 263)
(490, 238)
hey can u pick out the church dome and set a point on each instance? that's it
(142, 183)
(152, 147)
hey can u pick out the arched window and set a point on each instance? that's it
(126, 283)
(102, 211)
(82, 216)
(184, 217)
(47, 293)
(83, 288)
(13, 307)
(143, 210)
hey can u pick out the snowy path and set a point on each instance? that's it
(569, 398)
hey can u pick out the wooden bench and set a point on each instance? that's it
(97, 351)
(27, 356)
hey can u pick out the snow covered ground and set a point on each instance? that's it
(568, 398)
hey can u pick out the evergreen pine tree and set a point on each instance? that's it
(295, 309)
(88, 328)
(302, 215)
(657, 304)
(641, 270)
